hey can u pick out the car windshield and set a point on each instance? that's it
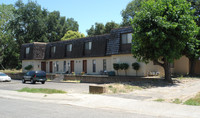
(2, 74)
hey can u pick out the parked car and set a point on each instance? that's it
(4, 77)
(34, 76)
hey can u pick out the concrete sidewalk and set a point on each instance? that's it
(156, 109)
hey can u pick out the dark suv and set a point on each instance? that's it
(34, 76)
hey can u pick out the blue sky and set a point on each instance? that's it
(86, 12)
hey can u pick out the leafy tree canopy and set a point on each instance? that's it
(7, 42)
(130, 11)
(72, 35)
(162, 28)
(99, 28)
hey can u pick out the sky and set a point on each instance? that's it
(85, 12)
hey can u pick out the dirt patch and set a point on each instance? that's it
(120, 88)
(182, 89)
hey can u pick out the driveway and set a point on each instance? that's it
(68, 87)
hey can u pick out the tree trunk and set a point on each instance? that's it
(167, 72)
(136, 72)
(166, 66)
(192, 66)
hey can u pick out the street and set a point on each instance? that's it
(11, 108)
(66, 86)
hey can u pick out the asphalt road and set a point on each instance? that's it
(11, 108)
(69, 87)
(66, 86)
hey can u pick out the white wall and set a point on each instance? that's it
(180, 66)
(35, 63)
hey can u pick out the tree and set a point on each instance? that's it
(130, 11)
(72, 24)
(109, 26)
(8, 53)
(91, 31)
(161, 31)
(100, 29)
(192, 50)
(136, 67)
(116, 67)
(124, 66)
(29, 23)
(72, 35)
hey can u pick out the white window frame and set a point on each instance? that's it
(88, 45)
(27, 50)
(126, 38)
(69, 47)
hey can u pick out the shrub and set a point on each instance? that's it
(124, 66)
(136, 66)
(29, 67)
(116, 66)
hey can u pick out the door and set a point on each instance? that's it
(85, 66)
(43, 66)
(72, 66)
(50, 67)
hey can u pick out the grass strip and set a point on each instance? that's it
(41, 90)
(193, 101)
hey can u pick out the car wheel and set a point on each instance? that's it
(23, 81)
(32, 81)
(43, 82)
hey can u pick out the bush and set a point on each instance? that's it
(136, 66)
(124, 66)
(29, 67)
(116, 66)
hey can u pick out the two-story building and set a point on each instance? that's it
(92, 55)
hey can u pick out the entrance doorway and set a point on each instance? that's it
(72, 66)
(85, 66)
(43, 66)
(50, 67)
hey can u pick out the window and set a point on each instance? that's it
(94, 65)
(64, 66)
(88, 45)
(126, 38)
(57, 66)
(104, 64)
(69, 47)
(27, 50)
(53, 49)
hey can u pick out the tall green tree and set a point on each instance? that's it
(162, 28)
(192, 50)
(29, 22)
(99, 28)
(72, 24)
(72, 35)
(130, 11)
(109, 26)
(8, 53)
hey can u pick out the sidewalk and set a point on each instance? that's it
(156, 109)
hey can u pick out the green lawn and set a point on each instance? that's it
(194, 101)
(41, 90)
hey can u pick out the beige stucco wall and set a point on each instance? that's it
(78, 65)
(144, 68)
(35, 63)
(181, 66)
